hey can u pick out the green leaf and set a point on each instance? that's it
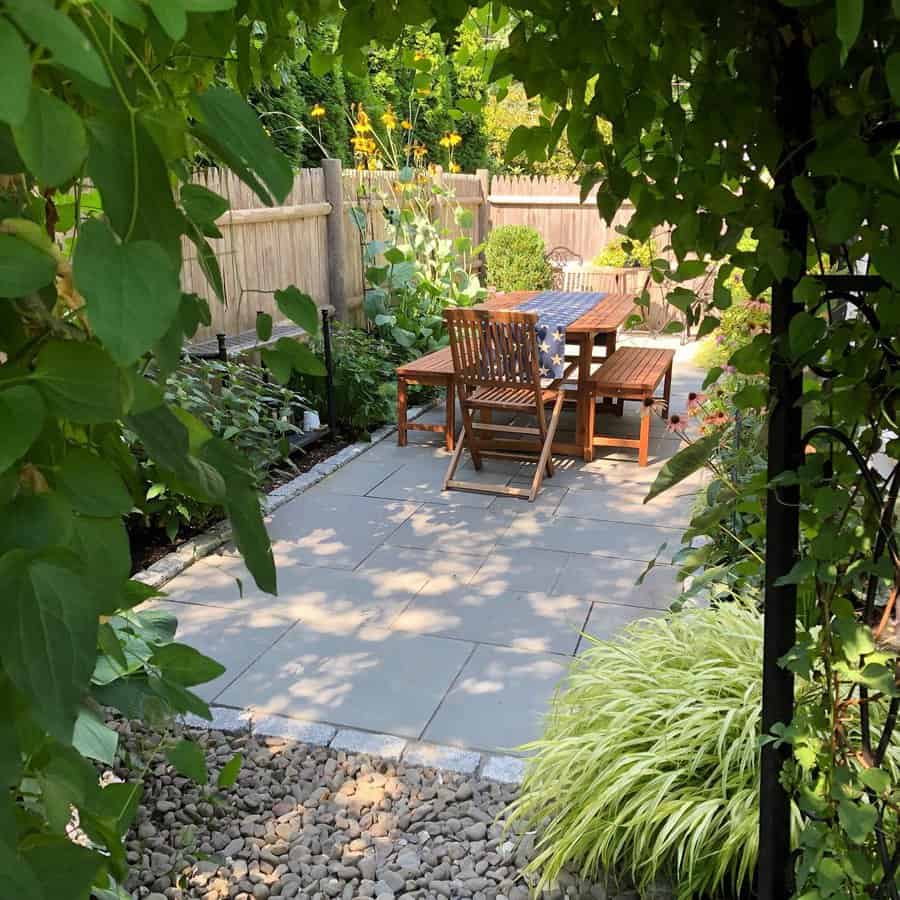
(887, 262)
(242, 506)
(683, 464)
(203, 206)
(102, 545)
(320, 63)
(93, 739)
(48, 643)
(15, 75)
(21, 881)
(189, 760)
(132, 290)
(185, 665)
(23, 268)
(52, 29)
(876, 779)
(751, 396)
(858, 819)
(849, 22)
(804, 333)
(50, 160)
(230, 771)
(92, 485)
(171, 15)
(128, 11)
(300, 308)
(230, 128)
(35, 522)
(209, 262)
(21, 420)
(845, 207)
(263, 326)
(156, 626)
(278, 363)
(80, 382)
(131, 175)
(892, 74)
(63, 868)
(800, 571)
(302, 358)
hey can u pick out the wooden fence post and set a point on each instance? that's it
(334, 194)
(484, 210)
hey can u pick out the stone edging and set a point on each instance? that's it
(174, 563)
(496, 767)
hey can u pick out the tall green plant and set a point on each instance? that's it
(122, 95)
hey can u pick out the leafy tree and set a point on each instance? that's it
(780, 118)
(92, 320)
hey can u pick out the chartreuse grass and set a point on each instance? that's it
(648, 764)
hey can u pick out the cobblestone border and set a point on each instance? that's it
(495, 767)
(174, 563)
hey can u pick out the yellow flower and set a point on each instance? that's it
(360, 167)
(420, 55)
(423, 92)
(455, 168)
(420, 151)
(389, 119)
(406, 125)
(454, 138)
(445, 140)
(362, 123)
(318, 111)
(432, 169)
(374, 163)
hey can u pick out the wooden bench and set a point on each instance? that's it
(630, 373)
(435, 370)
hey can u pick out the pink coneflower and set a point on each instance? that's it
(676, 424)
(720, 339)
(729, 370)
(648, 406)
(695, 400)
(717, 418)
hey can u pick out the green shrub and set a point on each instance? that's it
(515, 256)
(625, 254)
(649, 762)
(365, 386)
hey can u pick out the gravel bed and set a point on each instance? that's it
(315, 823)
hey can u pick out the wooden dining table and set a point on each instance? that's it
(596, 328)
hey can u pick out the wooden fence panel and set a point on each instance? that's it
(261, 250)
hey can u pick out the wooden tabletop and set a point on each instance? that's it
(608, 315)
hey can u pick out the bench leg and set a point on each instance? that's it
(644, 449)
(589, 428)
(450, 425)
(401, 412)
(667, 390)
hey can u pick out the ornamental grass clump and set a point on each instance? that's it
(648, 766)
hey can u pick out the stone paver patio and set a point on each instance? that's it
(433, 616)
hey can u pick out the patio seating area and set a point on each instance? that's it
(442, 616)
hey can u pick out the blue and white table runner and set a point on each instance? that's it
(556, 310)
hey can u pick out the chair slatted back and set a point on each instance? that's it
(494, 348)
(590, 278)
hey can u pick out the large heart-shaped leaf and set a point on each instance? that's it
(92, 485)
(52, 158)
(189, 760)
(50, 28)
(23, 267)
(48, 642)
(15, 75)
(300, 308)
(132, 290)
(80, 382)
(682, 464)
(21, 419)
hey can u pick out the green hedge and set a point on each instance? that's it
(515, 259)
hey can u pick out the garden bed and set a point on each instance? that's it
(149, 545)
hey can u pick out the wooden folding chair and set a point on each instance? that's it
(495, 363)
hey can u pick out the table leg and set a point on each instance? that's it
(583, 437)
(401, 412)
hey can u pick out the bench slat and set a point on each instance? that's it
(637, 369)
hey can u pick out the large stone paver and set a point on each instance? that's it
(421, 481)
(236, 639)
(545, 622)
(375, 679)
(453, 529)
(326, 600)
(610, 580)
(625, 503)
(519, 570)
(334, 530)
(597, 538)
(606, 620)
(499, 699)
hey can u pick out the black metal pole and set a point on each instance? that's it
(329, 372)
(793, 104)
